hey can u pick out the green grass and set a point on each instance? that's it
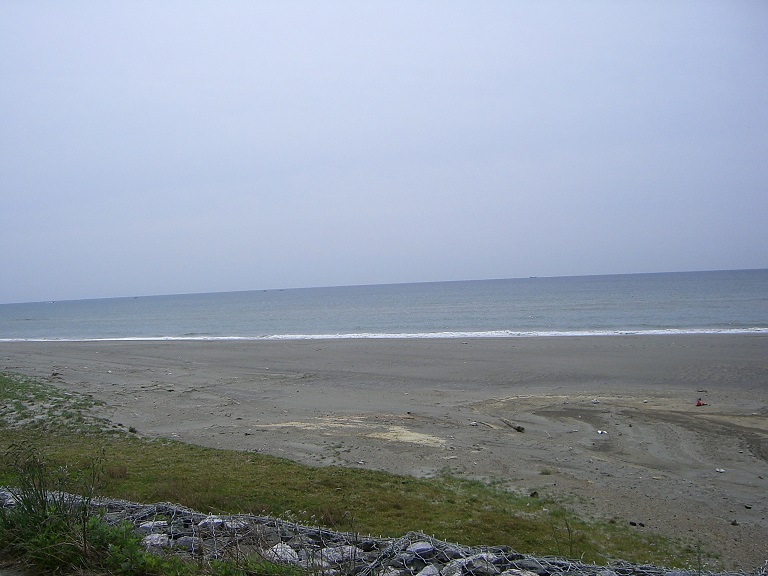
(368, 502)
(29, 404)
(51, 531)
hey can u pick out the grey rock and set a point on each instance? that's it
(235, 525)
(156, 541)
(368, 545)
(403, 560)
(190, 543)
(7, 499)
(483, 564)
(450, 553)
(211, 522)
(340, 554)
(152, 527)
(313, 561)
(478, 564)
(422, 549)
(516, 572)
(281, 553)
(531, 565)
(429, 570)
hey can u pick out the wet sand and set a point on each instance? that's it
(610, 423)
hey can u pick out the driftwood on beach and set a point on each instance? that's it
(513, 425)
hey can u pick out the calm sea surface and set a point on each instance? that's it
(695, 302)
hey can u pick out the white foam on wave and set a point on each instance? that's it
(513, 334)
(413, 335)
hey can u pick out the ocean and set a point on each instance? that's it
(677, 303)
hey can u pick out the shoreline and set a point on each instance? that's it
(492, 334)
(429, 406)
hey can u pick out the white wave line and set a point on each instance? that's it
(410, 335)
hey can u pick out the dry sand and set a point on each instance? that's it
(420, 407)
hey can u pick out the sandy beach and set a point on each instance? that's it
(610, 423)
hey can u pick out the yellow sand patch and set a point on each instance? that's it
(390, 433)
(401, 434)
(321, 424)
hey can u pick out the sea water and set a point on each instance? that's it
(686, 302)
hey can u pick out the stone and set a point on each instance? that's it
(516, 572)
(156, 541)
(211, 522)
(531, 565)
(190, 543)
(313, 561)
(450, 553)
(429, 570)
(7, 499)
(235, 525)
(483, 564)
(368, 545)
(341, 554)
(281, 553)
(152, 527)
(403, 560)
(479, 565)
(422, 549)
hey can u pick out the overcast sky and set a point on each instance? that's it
(169, 147)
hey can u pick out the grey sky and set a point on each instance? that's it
(166, 147)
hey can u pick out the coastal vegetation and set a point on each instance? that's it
(52, 442)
